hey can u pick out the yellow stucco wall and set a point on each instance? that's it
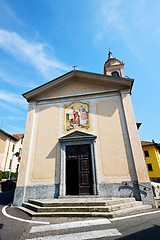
(24, 167)
(154, 160)
(73, 88)
(46, 124)
(46, 144)
(112, 147)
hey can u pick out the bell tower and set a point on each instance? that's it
(113, 67)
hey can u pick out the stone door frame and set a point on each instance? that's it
(77, 138)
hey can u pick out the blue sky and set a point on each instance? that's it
(42, 39)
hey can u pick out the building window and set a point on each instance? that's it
(17, 168)
(10, 163)
(21, 140)
(146, 153)
(13, 147)
(149, 165)
(20, 151)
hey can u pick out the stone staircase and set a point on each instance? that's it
(83, 207)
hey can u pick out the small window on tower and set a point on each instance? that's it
(146, 153)
(149, 165)
(115, 74)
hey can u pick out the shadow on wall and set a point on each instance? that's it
(113, 106)
(134, 191)
(55, 154)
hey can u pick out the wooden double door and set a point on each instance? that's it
(78, 170)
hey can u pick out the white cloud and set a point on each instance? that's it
(15, 118)
(110, 10)
(34, 53)
(134, 23)
(7, 15)
(15, 80)
(108, 16)
(8, 107)
(12, 98)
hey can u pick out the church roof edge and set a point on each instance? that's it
(72, 74)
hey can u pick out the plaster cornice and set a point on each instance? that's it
(115, 82)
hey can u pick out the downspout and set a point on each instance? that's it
(7, 154)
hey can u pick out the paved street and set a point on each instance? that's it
(9, 228)
(142, 227)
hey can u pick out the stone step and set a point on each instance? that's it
(125, 205)
(133, 210)
(115, 201)
(79, 202)
(81, 196)
(88, 214)
(65, 203)
(66, 208)
(83, 208)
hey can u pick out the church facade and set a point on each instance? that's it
(81, 138)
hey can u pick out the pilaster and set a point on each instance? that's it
(136, 149)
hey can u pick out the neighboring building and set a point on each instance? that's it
(151, 152)
(81, 138)
(10, 144)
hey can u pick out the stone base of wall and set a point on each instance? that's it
(22, 194)
(142, 192)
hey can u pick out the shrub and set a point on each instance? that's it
(5, 175)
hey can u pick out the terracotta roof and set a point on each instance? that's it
(145, 143)
(7, 134)
(17, 136)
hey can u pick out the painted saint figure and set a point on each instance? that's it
(83, 116)
(71, 116)
(75, 121)
(77, 116)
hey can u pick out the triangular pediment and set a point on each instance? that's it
(78, 82)
(77, 136)
(74, 87)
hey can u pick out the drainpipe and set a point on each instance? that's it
(17, 154)
(7, 154)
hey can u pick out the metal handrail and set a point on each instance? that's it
(145, 188)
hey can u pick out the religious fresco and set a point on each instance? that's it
(77, 116)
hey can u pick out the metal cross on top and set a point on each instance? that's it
(74, 68)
